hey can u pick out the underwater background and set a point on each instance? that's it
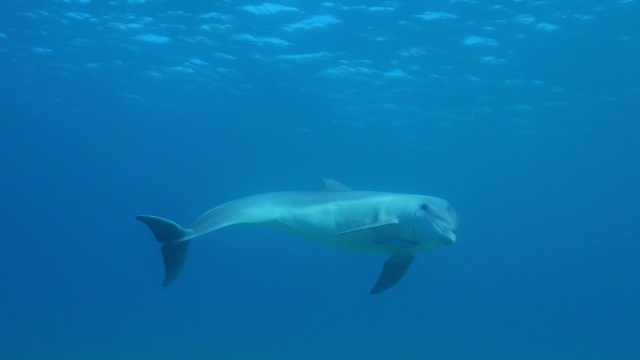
(524, 114)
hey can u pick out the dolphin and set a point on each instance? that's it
(375, 222)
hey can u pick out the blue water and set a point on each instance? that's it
(523, 114)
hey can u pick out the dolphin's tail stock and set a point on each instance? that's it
(175, 243)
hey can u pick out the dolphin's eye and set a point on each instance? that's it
(424, 207)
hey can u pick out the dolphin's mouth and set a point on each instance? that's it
(450, 235)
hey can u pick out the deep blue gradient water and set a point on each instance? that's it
(523, 114)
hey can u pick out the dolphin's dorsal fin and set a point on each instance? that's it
(332, 185)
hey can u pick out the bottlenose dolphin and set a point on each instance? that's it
(376, 222)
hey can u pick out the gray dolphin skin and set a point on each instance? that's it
(376, 222)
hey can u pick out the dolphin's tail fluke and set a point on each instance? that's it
(175, 244)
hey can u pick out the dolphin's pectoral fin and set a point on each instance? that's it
(391, 221)
(393, 270)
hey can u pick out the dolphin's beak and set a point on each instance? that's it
(449, 235)
(450, 238)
